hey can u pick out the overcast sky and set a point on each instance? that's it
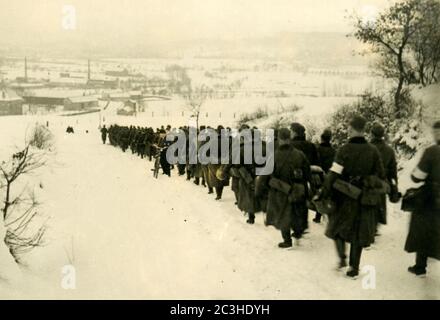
(170, 20)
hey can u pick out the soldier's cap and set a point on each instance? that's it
(244, 127)
(298, 128)
(358, 123)
(283, 134)
(378, 130)
(326, 135)
(436, 125)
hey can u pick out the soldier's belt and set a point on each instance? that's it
(295, 192)
(280, 185)
(347, 189)
(246, 176)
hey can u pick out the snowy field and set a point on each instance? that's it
(226, 111)
(129, 235)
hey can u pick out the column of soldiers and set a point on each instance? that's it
(350, 185)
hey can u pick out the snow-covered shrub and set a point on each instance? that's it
(274, 118)
(404, 133)
(260, 113)
(40, 137)
(410, 135)
(278, 123)
(371, 107)
(313, 129)
(292, 108)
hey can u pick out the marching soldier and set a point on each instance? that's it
(212, 170)
(310, 151)
(233, 172)
(247, 200)
(352, 183)
(104, 132)
(389, 162)
(287, 187)
(326, 154)
(299, 141)
(163, 145)
(197, 169)
(424, 230)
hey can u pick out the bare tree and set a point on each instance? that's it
(20, 210)
(389, 36)
(425, 43)
(195, 98)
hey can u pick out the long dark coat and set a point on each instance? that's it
(352, 221)
(210, 171)
(211, 176)
(247, 201)
(246, 198)
(280, 213)
(308, 148)
(389, 162)
(424, 228)
(198, 170)
(326, 155)
(104, 132)
(235, 182)
(235, 179)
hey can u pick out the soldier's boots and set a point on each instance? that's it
(251, 219)
(317, 218)
(353, 273)
(418, 271)
(210, 190)
(219, 193)
(285, 244)
(342, 264)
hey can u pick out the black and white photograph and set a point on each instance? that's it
(219, 150)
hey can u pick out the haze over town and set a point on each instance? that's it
(165, 28)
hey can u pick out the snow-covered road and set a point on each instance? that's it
(129, 235)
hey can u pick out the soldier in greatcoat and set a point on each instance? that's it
(352, 183)
(287, 187)
(389, 162)
(424, 230)
(326, 154)
(300, 142)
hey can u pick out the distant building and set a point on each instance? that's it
(117, 73)
(103, 83)
(117, 96)
(69, 82)
(21, 88)
(10, 103)
(80, 103)
(58, 100)
(136, 95)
